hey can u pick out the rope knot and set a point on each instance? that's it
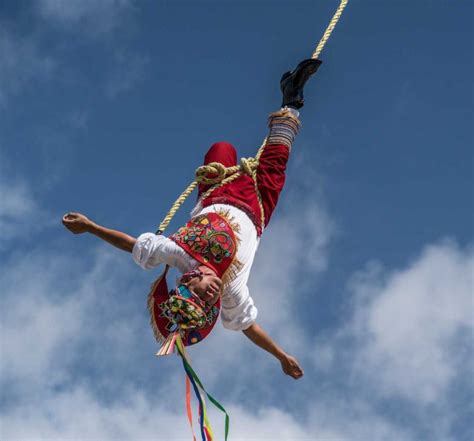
(248, 165)
(211, 173)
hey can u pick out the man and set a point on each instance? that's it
(216, 248)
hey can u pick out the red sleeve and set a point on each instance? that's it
(271, 176)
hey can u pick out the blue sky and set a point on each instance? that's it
(364, 274)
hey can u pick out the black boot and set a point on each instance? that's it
(292, 83)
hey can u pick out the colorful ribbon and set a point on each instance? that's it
(167, 347)
(201, 393)
(188, 406)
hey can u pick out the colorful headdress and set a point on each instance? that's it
(177, 312)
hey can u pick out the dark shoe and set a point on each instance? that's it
(292, 82)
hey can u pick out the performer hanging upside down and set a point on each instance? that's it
(216, 248)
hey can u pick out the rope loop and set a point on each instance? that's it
(211, 173)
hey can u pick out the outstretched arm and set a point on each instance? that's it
(289, 364)
(78, 223)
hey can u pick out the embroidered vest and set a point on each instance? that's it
(210, 239)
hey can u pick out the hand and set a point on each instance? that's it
(291, 367)
(77, 223)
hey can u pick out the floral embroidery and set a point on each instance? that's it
(208, 238)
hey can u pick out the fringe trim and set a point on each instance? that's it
(160, 338)
(225, 213)
(236, 266)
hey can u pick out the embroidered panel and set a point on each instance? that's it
(209, 236)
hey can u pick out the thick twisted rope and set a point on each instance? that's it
(222, 175)
(329, 29)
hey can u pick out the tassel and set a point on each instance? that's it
(168, 345)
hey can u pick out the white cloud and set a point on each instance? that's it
(408, 340)
(78, 414)
(99, 16)
(16, 201)
(23, 64)
(20, 214)
(411, 322)
(47, 315)
(409, 332)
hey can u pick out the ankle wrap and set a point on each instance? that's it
(284, 126)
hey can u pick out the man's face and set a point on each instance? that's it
(207, 287)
